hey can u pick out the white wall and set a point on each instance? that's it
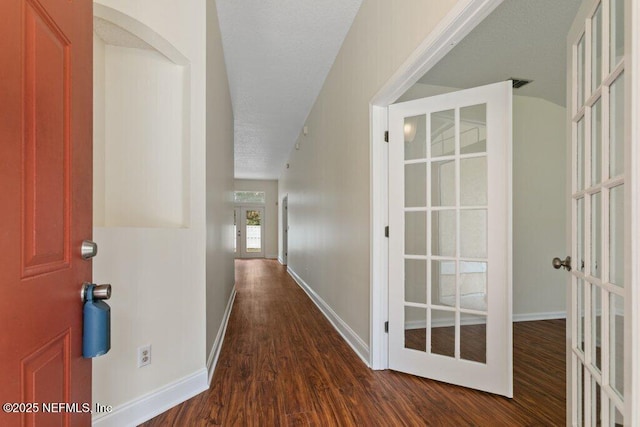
(171, 279)
(145, 159)
(220, 235)
(270, 187)
(328, 181)
(539, 205)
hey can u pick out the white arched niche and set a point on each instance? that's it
(141, 121)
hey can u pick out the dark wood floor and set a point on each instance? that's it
(283, 364)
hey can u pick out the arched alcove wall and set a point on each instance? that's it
(141, 123)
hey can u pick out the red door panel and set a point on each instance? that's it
(45, 207)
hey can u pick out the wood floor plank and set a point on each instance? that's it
(283, 364)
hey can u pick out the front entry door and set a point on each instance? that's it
(285, 229)
(600, 312)
(45, 209)
(249, 226)
(450, 238)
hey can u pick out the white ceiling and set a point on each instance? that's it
(521, 38)
(278, 54)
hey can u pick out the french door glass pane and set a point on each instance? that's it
(415, 137)
(473, 129)
(443, 283)
(596, 403)
(596, 143)
(616, 346)
(580, 236)
(415, 333)
(443, 183)
(596, 232)
(473, 285)
(616, 128)
(235, 232)
(443, 233)
(473, 233)
(580, 392)
(616, 235)
(617, 419)
(580, 156)
(415, 185)
(581, 72)
(580, 313)
(443, 333)
(473, 181)
(253, 231)
(616, 50)
(415, 233)
(596, 330)
(473, 338)
(415, 280)
(596, 49)
(443, 133)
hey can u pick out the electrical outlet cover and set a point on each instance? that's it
(144, 355)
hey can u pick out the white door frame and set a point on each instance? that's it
(460, 21)
(634, 174)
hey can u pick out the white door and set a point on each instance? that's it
(285, 229)
(249, 228)
(450, 238)
(237, 232)
(599, 352)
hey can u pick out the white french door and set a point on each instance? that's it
(599, 353)
(249, 232)
(450, 238)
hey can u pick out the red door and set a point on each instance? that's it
(45, 209)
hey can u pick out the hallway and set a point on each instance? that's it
(282, 363)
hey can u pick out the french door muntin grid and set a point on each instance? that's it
(429, 209)
(591, 375)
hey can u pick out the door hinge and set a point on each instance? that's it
(386, 326)
(386, 231)
(386, 136)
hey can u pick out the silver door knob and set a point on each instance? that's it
(566, 263)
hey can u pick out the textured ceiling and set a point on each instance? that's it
(278, 54)
(521, 38)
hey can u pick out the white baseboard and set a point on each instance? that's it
(152, 404)
(527, 317)
(360, 347)
(280, 260)
(212, 360)
(271, 256)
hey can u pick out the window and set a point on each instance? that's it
(249, 197)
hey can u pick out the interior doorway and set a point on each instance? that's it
(249, 232)
(504, 46)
